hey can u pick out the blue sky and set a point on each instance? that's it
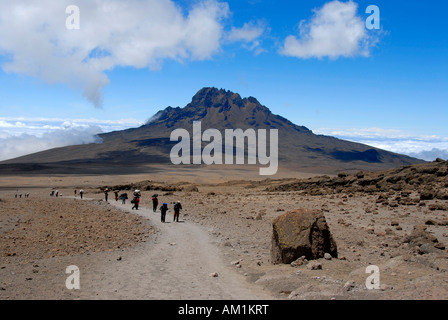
(308, 61)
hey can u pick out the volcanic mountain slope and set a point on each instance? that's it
(128, 150)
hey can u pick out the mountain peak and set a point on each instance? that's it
(213, 97)
(219, 108)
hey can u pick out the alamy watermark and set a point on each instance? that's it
(373, 281)
(73, 281)
(234, 147)
(373, 21)
(73, 21)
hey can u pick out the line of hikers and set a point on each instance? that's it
(27, 195)
(164, 209)
(155, 202)
(81, 193)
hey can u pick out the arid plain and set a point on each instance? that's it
(395, 220)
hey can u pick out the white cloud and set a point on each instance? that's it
(22, 136)
(36, 126)
(431, 155)
(13, 146)
(425, 147)
(113, 33)
(335, 30)
(249, 34)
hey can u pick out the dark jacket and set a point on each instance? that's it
(177, 207)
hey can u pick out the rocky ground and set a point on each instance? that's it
(33, 229)
(395, 220)
(364, 236)
(40, 236)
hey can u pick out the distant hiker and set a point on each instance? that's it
(155, 202)
(177, 208)
(57, 193)
(123, 198)
(81, 193)
(163, 210)
(136, 202)
(106, 194)
(75, 193)
(116, 194)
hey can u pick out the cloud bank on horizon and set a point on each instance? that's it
(21, 136)
(423, 147)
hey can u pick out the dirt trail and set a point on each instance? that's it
(177, 265)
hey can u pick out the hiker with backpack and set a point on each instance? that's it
(136, 200)
(123, 198)
(163, 210)
(106, 194)
(177, 208)
(155, 202)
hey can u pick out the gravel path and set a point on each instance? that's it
(178, 265)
